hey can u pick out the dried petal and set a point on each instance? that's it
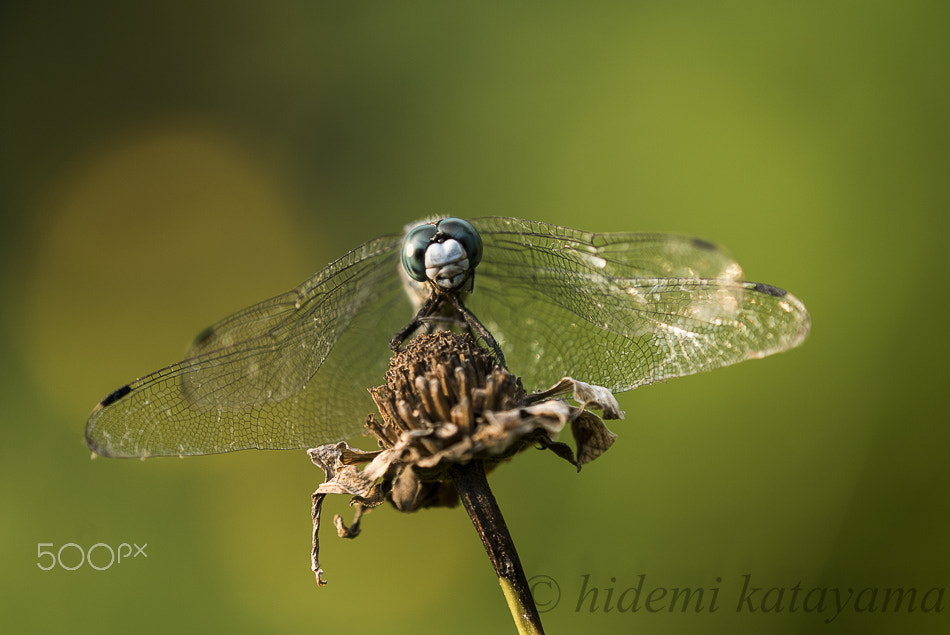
(588, 395)
(591, 437)
(406, 488)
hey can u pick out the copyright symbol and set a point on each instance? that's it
(545, 591)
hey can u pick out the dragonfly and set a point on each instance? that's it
(619, 310)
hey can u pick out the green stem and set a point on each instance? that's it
(472, 486)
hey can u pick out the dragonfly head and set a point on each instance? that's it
(444, 253)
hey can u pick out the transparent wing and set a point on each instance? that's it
(622, 310)
(619, 310)
(289, 372)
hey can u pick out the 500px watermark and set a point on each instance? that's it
(739, 594)
(100, 556)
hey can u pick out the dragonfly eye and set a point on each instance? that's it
(414, 251)
(462, 231)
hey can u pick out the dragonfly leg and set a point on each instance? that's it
(477, 329)
(429, 311)
(424, 311)
(396, 342)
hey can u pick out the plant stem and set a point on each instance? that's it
(472, 486)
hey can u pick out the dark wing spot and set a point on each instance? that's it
(203, 337)
(768, 289)
(699, 243)
(115, 395)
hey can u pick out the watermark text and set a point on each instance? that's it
(100, 556)
(743, 594)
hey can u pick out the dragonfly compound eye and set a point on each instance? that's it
(462, 231)
(414, 251)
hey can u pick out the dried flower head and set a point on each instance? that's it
(445, 403)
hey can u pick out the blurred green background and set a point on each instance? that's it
(167, 163)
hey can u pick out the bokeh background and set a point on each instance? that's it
(163, 164)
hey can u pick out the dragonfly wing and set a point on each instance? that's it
(622, 310)
(515, 242)
(289, 372)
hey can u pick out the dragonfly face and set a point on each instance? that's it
(445, 253)
(617, 310)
